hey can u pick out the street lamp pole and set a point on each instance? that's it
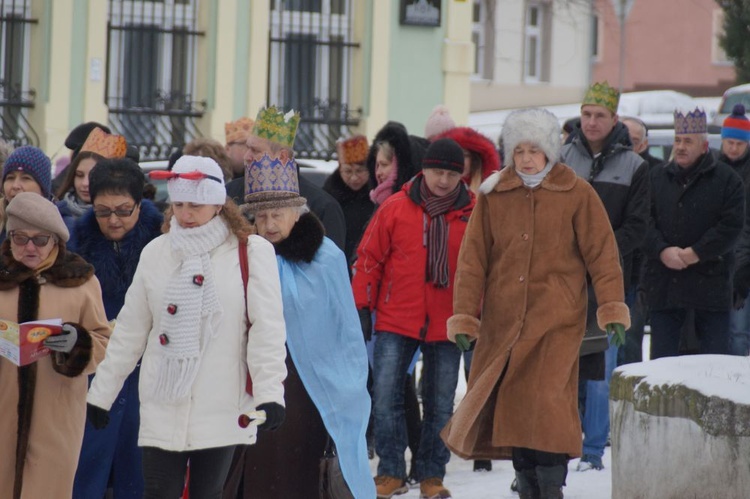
(622, 16)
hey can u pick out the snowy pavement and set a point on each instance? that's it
(467, 484)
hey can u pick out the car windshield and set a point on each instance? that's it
(732, 99)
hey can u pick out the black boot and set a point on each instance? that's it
(482, 465)
(528, 487)
(551, 480)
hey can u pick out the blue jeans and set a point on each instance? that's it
(441, 360)
(711, 328)
(739, 331)
(593, 398)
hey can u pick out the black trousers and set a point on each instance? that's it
(529, 459)
(164, 472)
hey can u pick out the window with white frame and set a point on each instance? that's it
(477, 36)
(532, 66)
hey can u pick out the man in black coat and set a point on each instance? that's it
(698, 210)
(735, 151)
(262, 142)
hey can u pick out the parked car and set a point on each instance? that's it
(316, 170)
(655, 107)
(161, 199)
(733, 96)
(660, 143)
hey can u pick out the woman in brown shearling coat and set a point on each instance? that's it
(535, 232)
(44, 403)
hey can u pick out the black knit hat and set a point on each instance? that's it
(445, 154)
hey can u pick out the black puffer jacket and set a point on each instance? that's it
(357, 209)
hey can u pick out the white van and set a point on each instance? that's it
(735, 95)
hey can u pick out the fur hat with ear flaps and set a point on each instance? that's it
(537, 126)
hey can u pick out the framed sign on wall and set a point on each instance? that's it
(420, 12)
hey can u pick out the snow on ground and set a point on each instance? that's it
(467, 484)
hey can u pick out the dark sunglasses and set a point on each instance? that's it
(21, 240)
(119, 212)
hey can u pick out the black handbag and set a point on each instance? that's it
(331, 483)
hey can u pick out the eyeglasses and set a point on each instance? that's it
(237, 143)
(22, 240)
(119, 212)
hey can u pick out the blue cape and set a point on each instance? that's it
(325, 341)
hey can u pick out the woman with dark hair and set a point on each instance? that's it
(73, 194)
(185, 319)
(44, 403)
(111, 237)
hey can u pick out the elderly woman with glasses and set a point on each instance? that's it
(186, 314)
(111, 237)
(44, 403)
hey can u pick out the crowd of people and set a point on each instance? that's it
(262, 337)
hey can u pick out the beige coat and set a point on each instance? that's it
(55, 386)
(523, 261)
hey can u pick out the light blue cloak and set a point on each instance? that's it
(325, 341)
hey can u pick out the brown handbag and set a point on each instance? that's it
(331, 484)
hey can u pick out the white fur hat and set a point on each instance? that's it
(207, 190)
(534, 125)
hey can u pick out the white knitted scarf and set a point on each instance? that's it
(190, 328)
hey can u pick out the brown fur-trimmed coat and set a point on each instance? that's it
(43, 405)
(524, 260)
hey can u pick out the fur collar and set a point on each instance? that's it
(116, 262)
(336, 187)
(68, 271)
(560, 178)
(303, 241)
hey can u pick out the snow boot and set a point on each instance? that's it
(482, 465)
(389, 486)
(551, 480)
(432, 488)
(528, 487)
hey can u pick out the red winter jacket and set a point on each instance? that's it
(390, 272)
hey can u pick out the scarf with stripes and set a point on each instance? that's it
(436, 232)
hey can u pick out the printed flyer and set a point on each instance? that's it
(22, 343)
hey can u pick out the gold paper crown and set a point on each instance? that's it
(353, 150)
(105, 145)
(238, 131)
(601, 94)
(692, 122)
(274, 125)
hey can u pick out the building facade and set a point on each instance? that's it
(530, 52)
(669, 44)
(162, 72)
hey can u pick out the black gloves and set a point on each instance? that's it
(99, 417)
(365, 320)
(274, 415)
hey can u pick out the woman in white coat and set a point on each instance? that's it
(185, 315)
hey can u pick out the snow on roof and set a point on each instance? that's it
(723, 376)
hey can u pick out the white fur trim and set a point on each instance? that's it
(489, 183)
(534, 125)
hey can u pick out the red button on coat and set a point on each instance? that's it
(163, 339)
(172, 309)
(198, 280)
